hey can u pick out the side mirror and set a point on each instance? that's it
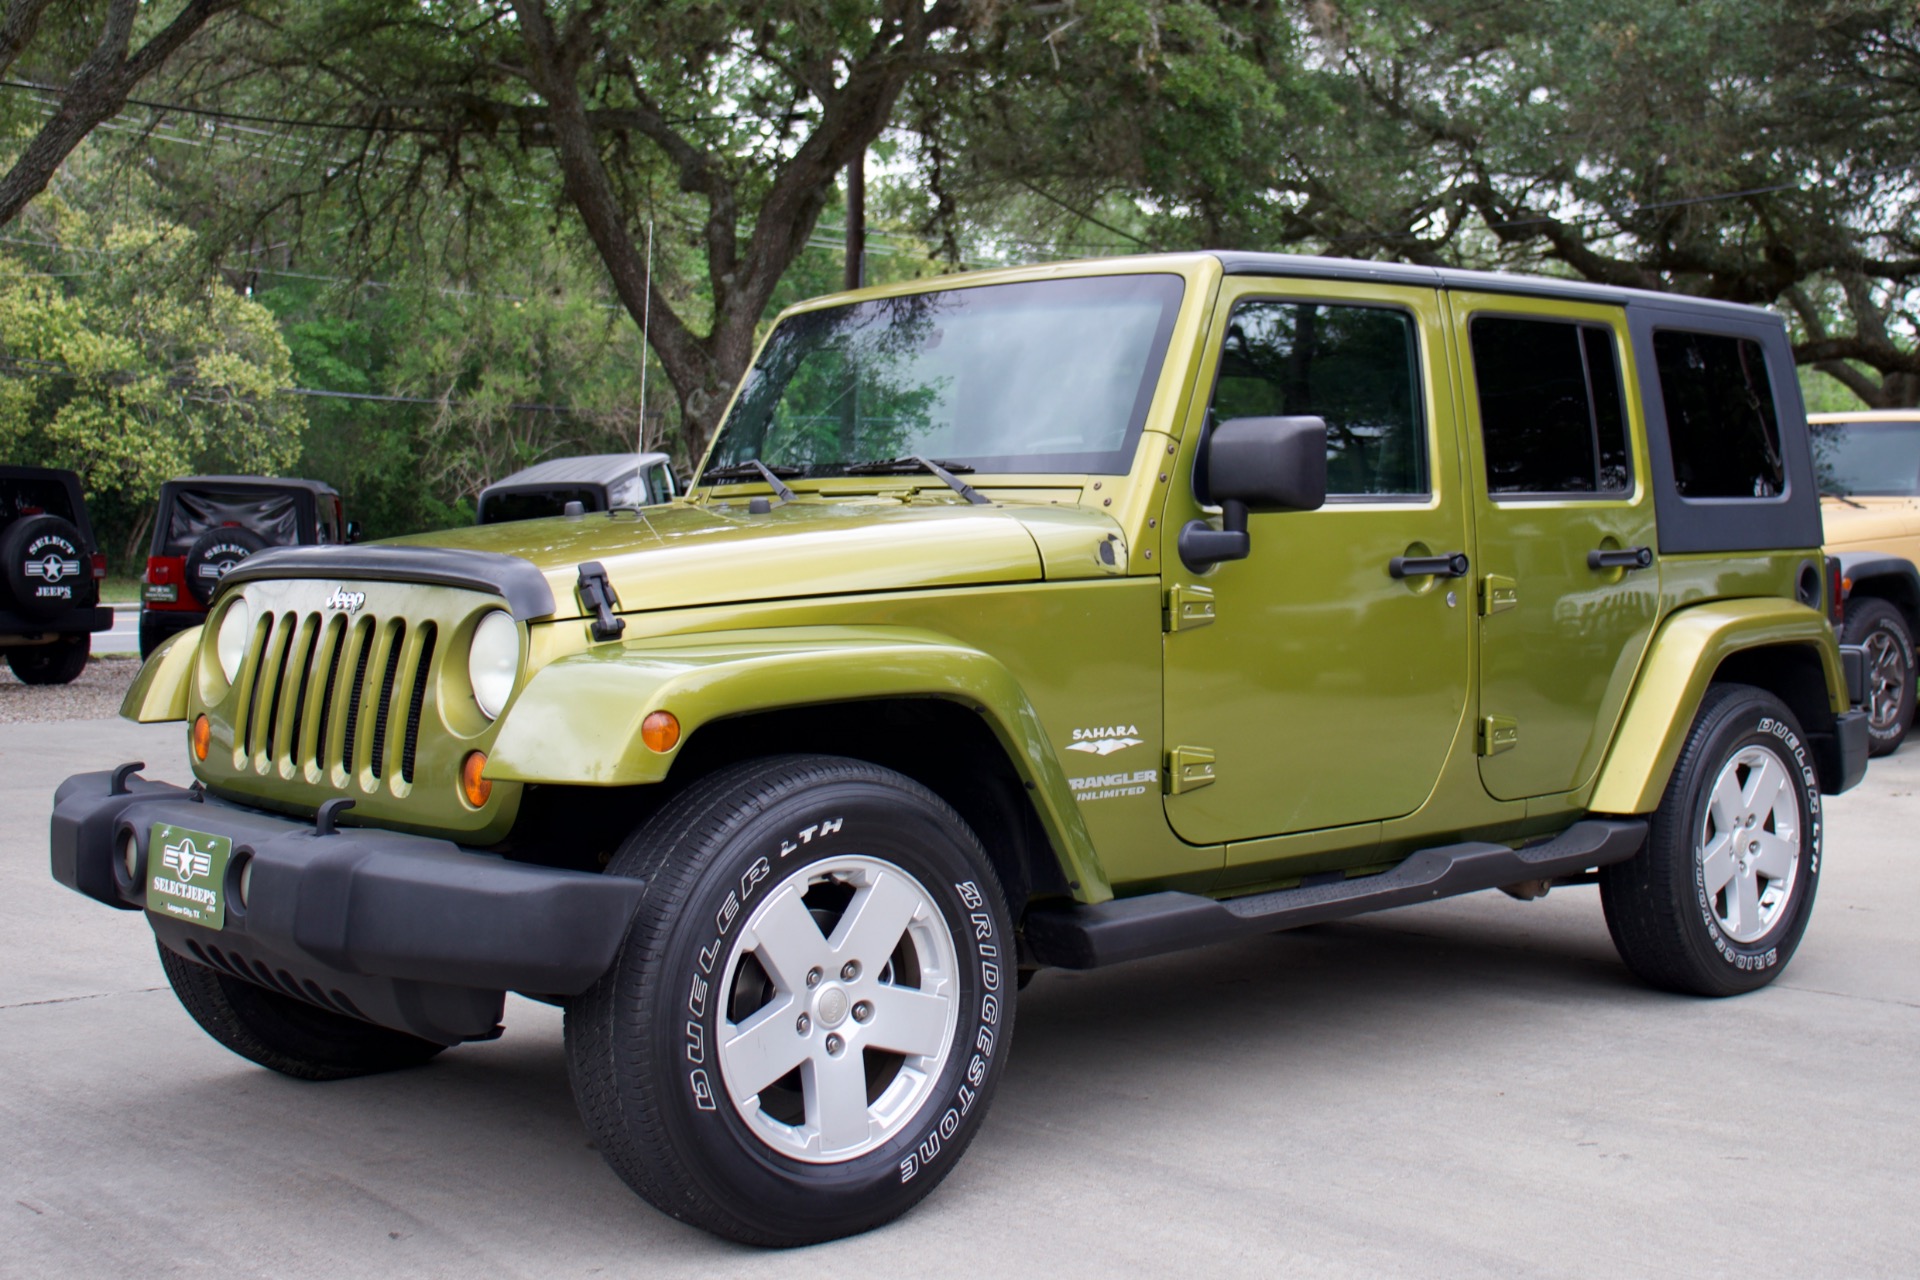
(1255, 464)
(353, 531)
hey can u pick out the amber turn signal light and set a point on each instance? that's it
(660, 731)
(472, 785)
(202, 735)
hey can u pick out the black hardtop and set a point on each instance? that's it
(1303, 266)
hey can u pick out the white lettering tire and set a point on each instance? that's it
(804, 1027)
(1717, 900)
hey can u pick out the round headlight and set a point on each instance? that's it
(230, 645)
(493, 660)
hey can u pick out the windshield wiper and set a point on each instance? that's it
(905, 466)
(754, 469)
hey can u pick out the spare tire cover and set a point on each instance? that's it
(47, 567)
(214, 554)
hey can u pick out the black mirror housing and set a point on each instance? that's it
(1270, 464)
(1255, 464)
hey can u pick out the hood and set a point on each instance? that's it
(685, 556)
(1861, 522)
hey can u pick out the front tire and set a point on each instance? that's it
(806, 1023)
(1882, 631)
(58, 662)
(287, 1035)
(1717, 900)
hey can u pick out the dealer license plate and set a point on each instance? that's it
(187, 874)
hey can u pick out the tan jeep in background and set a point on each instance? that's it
(1868, 466)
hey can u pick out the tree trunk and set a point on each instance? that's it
(99, 90)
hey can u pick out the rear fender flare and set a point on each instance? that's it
(544, 736)
(1686, 652)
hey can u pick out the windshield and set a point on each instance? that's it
(1868, 459)
(1052, 376)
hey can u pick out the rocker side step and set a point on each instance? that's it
(1088, 937)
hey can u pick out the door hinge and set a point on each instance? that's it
(1189, 606)
(1189, 769)
(1497, 734)
(1498, 594)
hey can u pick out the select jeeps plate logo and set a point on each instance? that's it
(52, 559)
(1106, 741)
(222, 558)
(350, 601)
(186, 872)
(185, 861)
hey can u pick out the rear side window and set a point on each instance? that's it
(1721, 423)
(24, 497)
(1354, 367)
(1551, 417)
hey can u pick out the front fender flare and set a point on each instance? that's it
(159, 689)
(1680, 664)
(578, 719)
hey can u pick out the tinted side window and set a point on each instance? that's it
(24, 497)
(1355, 367)
(1721, 423)
(1551, 417)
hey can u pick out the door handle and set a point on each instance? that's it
(1451, 565)
(1631, 558)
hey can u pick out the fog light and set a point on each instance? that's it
(660, 731)
(246, 881)
(130, 859)
(202, 735)
(472, 785)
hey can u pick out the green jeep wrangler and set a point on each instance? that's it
(1058, 616)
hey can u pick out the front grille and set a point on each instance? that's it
(333, 699)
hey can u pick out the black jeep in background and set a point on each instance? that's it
(205, 525)
(50, 571)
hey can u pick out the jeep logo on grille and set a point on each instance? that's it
(345, 599)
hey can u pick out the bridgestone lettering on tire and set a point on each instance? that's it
(804, 1028)
(1718, 899)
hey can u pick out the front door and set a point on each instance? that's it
(1307, 686)
(1568, 591)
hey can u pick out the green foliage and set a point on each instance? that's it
(130, 372)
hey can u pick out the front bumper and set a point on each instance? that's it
(405, 931)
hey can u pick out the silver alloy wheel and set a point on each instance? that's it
(1749, 845)
(1886, 679)
(859, 1011)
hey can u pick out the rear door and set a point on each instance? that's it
(1567, 588)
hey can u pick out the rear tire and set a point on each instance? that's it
(60, 662)
(1718, 898)
(806, 1023)
(1882, 630)
(287, 1035)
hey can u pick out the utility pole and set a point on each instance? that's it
(857, 222)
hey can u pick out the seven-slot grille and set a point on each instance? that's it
(334, 698)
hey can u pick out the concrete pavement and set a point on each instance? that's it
(1471, 1088)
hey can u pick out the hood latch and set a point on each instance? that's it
(597, 595)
